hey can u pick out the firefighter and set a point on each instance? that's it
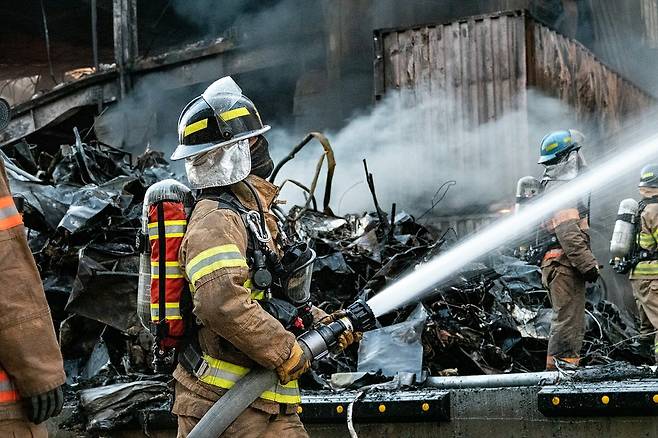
(227, 159)
(568, 262)
(31, 367)
(644, 276)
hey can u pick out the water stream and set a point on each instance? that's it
(426, 277)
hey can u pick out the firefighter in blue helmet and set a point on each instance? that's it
(568, 262)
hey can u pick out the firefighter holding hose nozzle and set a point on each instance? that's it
(248, 276)
(633, 248)
(568, 262)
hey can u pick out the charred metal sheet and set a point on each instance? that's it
(630, 398)
(30, 118)
(389, 407)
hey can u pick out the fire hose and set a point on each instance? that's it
(315, 343)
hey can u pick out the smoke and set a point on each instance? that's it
(248, 21)
(413, 144)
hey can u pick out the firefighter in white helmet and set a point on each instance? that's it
(227, 255)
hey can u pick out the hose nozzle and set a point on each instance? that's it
(317, 342)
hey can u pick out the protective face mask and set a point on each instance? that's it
(220, 167)
(566, 169)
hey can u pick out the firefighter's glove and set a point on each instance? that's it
(43, 406)
(348, 338)
(592, 275)
(293, 367)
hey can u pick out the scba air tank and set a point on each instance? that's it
(624, 232)
(171, 194)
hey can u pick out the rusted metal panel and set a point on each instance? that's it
(470, 73)
(600, 97)
(465, 75)
(650, 19)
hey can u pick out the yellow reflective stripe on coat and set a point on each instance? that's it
(172, 270)
(645, 269)
(254, 293)
(213, 259)
(225, 374)
(172, 311)
(646, 241)
(172, 229)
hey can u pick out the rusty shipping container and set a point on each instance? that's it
(480, 79)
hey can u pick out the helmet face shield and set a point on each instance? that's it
(219, 167)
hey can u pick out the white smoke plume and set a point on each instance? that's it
(411, 150)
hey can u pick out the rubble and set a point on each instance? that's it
(82, 222)
(83, 218)
(492, 318)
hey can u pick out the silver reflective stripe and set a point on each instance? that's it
(215, 258)
(169, 229)
(169, 311)
(280, 389)
(6, 385)
(8, 211)
(170, 270)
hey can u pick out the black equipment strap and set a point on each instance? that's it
(162, 273)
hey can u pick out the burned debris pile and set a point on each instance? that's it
(82, 206)
(493, 317)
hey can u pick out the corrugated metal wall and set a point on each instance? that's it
(468, 73)
(599, 96)
(478, 70)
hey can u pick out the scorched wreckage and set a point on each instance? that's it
(191, 299)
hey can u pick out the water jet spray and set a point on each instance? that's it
(428, 276)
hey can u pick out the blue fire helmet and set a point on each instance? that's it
(649, 176)
(558, 143)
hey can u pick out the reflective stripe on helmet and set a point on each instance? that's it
(195, 127)
(225, 374)
(234, 114)
(213, 259)
(9, 215)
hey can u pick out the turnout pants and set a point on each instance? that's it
(567, 293)
(253, 423)
(646, 298)
(22, 429)
(250, 423)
